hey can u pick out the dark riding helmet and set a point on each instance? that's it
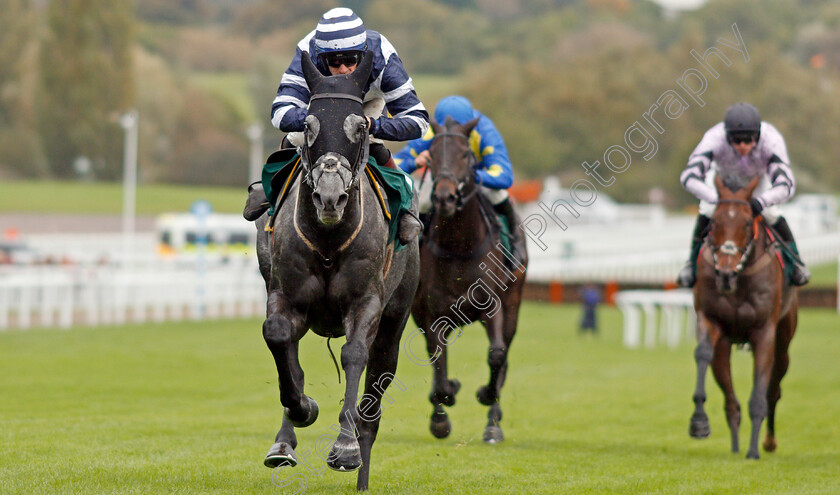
(340, 36)
(742, 119)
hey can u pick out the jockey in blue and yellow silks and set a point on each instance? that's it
(493, 169)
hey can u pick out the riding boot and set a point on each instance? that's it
(409, 228)
(257, 203)
(688, 274)
(800, 275)
(517, 244)
(382, 155)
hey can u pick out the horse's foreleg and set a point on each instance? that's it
(500, 330)
(444, 390)
(763, 345)
(281, 334)
(699, 424)
(722, 370)
(381, 370)
(345, 454)
(784, 334)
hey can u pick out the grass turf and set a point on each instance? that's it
(193, 407)
(106, 197)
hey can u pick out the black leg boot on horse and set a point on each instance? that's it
(800, 275)
(410, 226)
(516, 242)
(688, 274)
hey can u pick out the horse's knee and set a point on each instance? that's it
(353, 352)
(277, 331)
(496, 357)
(758, 407)
(703, 352)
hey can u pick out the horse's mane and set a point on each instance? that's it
(735, 181)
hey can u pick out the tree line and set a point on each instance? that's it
(566, 81)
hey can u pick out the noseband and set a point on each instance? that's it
(361, 155)
(729, 247)
(460, 183)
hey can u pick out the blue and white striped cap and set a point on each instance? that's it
(340, 30)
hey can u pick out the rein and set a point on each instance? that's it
(359, 162)
(327, 262)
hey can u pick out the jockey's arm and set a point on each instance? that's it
(407, 118)
(783, 183)
(693, 177)
(289, 108)
(494, 169)
(407, 158)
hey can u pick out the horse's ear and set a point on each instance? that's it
(311, 73)
(752, 185)
(362, 72)
(437, 128)
(469, 126)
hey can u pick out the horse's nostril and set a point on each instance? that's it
(451, 198)
(317, 199)
(342, 201)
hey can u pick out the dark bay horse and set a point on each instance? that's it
(333, 270)
(742, 297)
(464, 277)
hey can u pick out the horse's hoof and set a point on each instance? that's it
(280, 454)
(311, 409)
(345, 457)
(770, 445)
(486, 396)
(493, 435)
(440, 425)
(699, 426)
(752, 454)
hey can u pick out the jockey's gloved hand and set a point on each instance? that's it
(755, 206)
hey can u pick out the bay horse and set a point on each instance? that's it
(742, 297)
(333, 270)
(464, 277)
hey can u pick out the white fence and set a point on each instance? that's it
(650, 252)
(668, 316)
(63, 296)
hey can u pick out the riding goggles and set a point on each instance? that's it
(347, 59)
(747, 138)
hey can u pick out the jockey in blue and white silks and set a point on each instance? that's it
(341, 31)
(393, 109)
(746, 146)
(493, 169)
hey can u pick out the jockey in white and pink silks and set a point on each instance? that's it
(745, 146)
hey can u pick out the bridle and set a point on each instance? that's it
(729, 247)
(448, 175)
(361, 156)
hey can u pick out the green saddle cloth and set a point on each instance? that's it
(504, 232)
(280, 169)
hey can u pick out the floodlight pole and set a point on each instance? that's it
(129, 123)
(255, 162)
